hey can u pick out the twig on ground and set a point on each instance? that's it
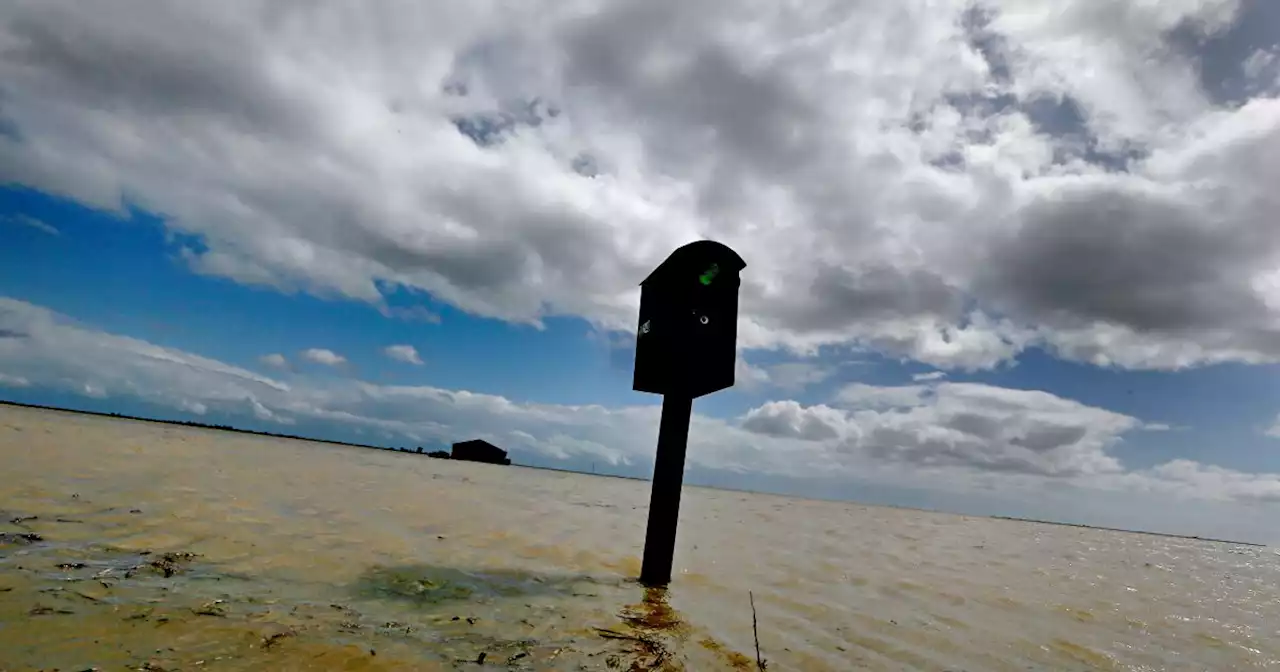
(614, 634)
(755, 631)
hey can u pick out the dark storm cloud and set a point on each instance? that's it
(1130, 257)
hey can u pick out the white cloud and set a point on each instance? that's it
(925, 377)
(261, 412)
(1217, 482)
(37, 224)
(1007, 175)
(403, 353)
(874, 396)
(1263, 68)
(93, 391)
(948, 436)
(788, 419)
(983, 427)
(411, 313)
(51, 350)
(1274, 431)
(322, 356)
(750, 377)
(796, 376)
(13, 381)
(275, 360)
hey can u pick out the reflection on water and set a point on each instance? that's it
(126, 544)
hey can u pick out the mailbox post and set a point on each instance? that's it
(686, 347)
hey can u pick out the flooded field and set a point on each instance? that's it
(129, 545)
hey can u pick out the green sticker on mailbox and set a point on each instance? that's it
(710, 274)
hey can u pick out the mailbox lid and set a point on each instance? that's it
(702, 262)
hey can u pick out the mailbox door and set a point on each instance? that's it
(660, 336)
(713, 324)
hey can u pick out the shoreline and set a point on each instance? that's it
(229, 428)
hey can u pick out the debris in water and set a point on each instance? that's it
(40, 610)
(398, 627)
(170, 563)
(71, 565)
(271, 640)
(86, 596)
(210, 609)
(21, 538)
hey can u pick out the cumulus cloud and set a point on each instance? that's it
(948, 435)
(275, 360)
(323, 356)
(926, 377)
(791, 420)
(403, 353)
(1068, 175)
(986, 427)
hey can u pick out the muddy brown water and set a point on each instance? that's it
(130, 545)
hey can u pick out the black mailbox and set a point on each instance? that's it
(686, 344)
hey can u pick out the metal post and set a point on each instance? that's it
(664, 500)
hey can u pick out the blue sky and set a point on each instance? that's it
(957, 295)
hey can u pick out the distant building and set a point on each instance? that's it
(476, 450)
